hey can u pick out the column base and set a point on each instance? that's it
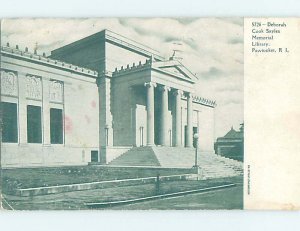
(150, 145)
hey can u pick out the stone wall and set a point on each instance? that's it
(123, 104)
(206, 128)
(52, 87)
(90, 55)
(117, 56)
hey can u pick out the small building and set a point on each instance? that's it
(232, 144)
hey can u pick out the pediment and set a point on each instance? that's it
(175, 67)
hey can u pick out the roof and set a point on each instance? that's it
(171, 67)
(43, 60)
(233, 134)
(175, 67)
(166, 67)
(114, 38)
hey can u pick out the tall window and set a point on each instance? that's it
(9, 122)
(34, 124)
(56, 126)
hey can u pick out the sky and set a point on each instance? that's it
(211, 48)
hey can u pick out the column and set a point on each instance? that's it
(189, 135)
(22, 109)
(178, 94)
(46, 111)
(150, 113)
(164, 115)
(105, 116)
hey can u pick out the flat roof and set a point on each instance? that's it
(42, 60)
(115, 38)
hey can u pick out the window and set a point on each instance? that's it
(9, 122)
(34, 124)
(56, 126)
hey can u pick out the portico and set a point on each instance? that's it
(177, 94)
(161, 104)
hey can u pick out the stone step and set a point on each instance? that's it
(212, 165)
(136, 157)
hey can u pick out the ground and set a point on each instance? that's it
(229, 198)
(38, 177)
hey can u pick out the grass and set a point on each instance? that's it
(229, 198)
(221, 199)
(13, 179)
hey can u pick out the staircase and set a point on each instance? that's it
(137, 156)
(212, 165)
(215, 166)
(175, 157)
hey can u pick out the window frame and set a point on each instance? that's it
(54, 139)
(36, 136)
(12, 130)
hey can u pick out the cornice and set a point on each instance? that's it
(43, 60)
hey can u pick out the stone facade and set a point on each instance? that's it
(134, 97)
(28, 79)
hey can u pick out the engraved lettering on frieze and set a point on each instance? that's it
(56, 91)
(9, 83)
(33, 87)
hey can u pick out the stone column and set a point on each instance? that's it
(22, 109)
(150, 113)
(189, 135)
(178, 94)
(105, 115)
(46, 111)
(164, 115)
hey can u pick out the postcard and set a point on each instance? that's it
(150, 113)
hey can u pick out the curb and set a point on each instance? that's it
(143, 199)
(98, 185)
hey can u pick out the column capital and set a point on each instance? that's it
(189, 94)
(150, 84)
(178, 92)
(164, 88)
